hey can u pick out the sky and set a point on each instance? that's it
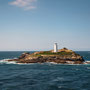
(32, 25)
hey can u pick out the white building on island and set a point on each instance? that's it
(55, 47)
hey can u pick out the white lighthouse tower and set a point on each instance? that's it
(55, 47)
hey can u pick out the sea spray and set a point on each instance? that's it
(5, 61)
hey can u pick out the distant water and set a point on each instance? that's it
(43, 76)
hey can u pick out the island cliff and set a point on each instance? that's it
(63, 56)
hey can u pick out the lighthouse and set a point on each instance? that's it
(55, 47)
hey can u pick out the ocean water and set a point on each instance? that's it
(45, 76)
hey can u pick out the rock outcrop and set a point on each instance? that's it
(63, 56)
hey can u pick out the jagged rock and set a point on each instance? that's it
(24, 55)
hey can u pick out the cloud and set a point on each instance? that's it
(26, 4)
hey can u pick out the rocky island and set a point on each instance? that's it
(63, 56)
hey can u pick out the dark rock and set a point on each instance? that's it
(24, 55)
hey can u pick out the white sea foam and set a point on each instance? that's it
(5, 61)
(87, 62)
(51, 63)
(69, 63)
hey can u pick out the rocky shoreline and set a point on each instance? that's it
(63, 56)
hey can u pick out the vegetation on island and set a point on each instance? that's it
(61, 52)
(52, 53)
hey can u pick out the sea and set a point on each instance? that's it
(46, 76)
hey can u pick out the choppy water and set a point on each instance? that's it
(43, 76)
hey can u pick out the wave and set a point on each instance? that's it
(5, 61)
(87, 62)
